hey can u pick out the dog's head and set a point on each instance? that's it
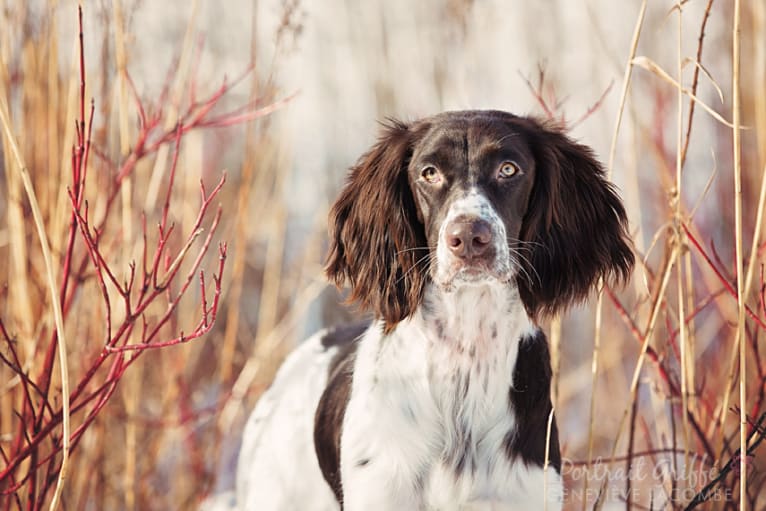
(463, 198)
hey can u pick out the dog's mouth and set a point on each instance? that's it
(460, 273)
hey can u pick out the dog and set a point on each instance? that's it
(459, 232)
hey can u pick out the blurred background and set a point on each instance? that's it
(283, 96)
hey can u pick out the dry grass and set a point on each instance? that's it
(675, 381)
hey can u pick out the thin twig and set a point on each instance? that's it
(736, 461)
(695, 79)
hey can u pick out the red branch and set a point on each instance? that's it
(730, 288)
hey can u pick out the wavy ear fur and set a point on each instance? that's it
(575, 222)
(377, 241)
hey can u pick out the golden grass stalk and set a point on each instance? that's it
(133, 380)
(594, 381)
(547, 458)
(652, 66)
(647, 335)
(267, 344)
(759, 22)
(55, 302)
(62, 207)
(600, 300)
(237, 272)
(181, 78)
(16, 234)
(272, 275)
(689, 330)
(679, 239)
(555, 358)
(238, 269)
(241, 224)
(740, 342)
(758, 19)
(753, 259)
(626, 83)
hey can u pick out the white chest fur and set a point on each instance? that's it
(429, 413)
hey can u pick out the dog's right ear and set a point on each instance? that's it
(377, 242)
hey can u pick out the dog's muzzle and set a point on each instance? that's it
(471, 246)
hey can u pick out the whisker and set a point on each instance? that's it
(526, 249)
(514, 244)
(414, 249)
(527, 276)
(425, 258)
(516, 254)
(517, 241)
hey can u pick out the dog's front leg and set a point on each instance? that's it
(377, 474)
(382, 457)
(374, 487)
(384, 445)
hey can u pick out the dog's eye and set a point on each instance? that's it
(508, 169)
(430, 174)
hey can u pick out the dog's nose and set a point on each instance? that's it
(469, 238)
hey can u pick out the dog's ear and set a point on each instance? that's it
(575, 224)
(377, 243)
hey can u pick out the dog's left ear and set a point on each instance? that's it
(575, 224)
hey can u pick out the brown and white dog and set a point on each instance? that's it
(458, 232)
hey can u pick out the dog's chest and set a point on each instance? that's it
(433, 401)
(472, 419)
(470, 367)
